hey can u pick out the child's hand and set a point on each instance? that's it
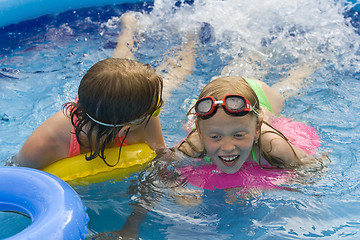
(312, 167)
(192, 145)
(311, 160)
(236, 195)
(186, 196)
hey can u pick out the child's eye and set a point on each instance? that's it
(238, 135)
(214, 137)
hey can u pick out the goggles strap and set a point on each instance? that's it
(252, 109)
(104, 124)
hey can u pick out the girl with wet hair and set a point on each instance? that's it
(118, 104)
(234, 124)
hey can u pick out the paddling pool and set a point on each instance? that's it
(43, 58)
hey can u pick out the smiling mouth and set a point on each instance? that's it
(229, 161)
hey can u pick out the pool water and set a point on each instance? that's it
(43, 60)
(12, 223)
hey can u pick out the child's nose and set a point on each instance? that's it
(227, 146)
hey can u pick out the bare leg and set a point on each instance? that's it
(176, 68)
(295, 80)
(250, 65)
(289, 86)
(126, 40)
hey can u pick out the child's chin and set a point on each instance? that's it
(231, 170)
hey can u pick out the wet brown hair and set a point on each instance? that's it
(113, 91)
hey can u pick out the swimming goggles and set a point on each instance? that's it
(235, 105)
(134, 122)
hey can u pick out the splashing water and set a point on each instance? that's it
(41, 67)
(275, 33)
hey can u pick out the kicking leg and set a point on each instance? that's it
(295, 80)
(126, 39)
(177, 67)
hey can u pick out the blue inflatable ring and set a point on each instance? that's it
(55, 209)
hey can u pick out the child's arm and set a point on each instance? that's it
(283, 153)
(153, 132)
(149, 196)
(131, 228)
(147, 132)
(47, 144)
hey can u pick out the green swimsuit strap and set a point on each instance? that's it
(263, 101)
(254, 156)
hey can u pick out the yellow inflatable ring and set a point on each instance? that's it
(80, 171)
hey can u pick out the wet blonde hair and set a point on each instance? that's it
(222, 86)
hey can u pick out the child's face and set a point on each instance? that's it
(228, 140)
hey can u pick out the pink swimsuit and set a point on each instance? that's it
(75, 146)
(251, 175)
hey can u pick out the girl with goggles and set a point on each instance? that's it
(238, 127)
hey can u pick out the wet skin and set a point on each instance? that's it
(228, 140)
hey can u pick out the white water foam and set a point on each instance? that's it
(271, 32)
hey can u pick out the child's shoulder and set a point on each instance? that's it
(51, 139)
